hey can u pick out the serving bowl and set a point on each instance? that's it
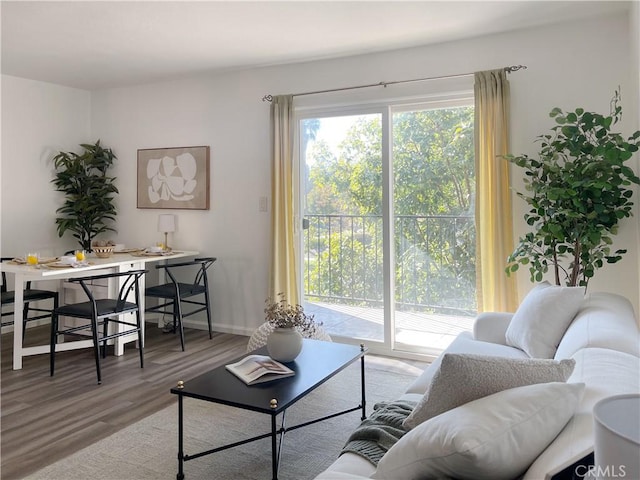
(103, 252)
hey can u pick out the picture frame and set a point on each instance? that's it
(173, 178)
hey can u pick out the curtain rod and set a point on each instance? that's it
(512, 68)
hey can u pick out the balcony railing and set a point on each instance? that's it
(434, 261)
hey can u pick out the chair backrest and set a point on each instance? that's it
(130, 282)
(3, 287)
(201, 274)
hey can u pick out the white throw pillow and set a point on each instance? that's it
(495, 437)
(542, 318)
(463, 378)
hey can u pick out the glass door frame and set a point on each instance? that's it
(386, 109)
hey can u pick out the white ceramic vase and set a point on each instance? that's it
(284, 344)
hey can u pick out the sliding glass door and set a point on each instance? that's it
(434, 231)
(343, 242)
(388, 243)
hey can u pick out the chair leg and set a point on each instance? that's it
(54, 339)
(208, 304)
(25, 315)
(96, 350)
(140, 339)
(105, 330)
(177, 316)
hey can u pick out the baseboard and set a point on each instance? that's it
(30, 324)
(201, 324)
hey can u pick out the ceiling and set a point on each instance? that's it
(102, 44)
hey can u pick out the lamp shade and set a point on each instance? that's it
(166, 223)
(617, 437)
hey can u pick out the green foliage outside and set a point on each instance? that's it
(433, 163)
(578, 189)
(88, 208)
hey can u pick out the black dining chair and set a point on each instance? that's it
(30, 295)
(102, 313)
(175, 294)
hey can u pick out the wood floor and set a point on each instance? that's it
(44, 419)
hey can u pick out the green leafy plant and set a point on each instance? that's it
(88, 208)
(578, 189)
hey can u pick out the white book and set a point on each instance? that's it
(259, 368)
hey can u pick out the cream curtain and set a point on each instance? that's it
(494, 226)
(283, 277)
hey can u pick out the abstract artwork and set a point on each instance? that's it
(173, 178)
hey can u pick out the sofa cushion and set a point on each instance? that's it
(542, 319)
(605, 320)
(462, 378)
(605, 373)
(495, 437)
(463, 343)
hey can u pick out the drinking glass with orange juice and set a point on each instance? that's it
(80, 255)
(32, 258)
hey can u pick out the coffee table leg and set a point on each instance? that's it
(180, 475)
(274, 448)
(362, 386)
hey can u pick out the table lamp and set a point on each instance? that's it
(617, 437)
(166, 225)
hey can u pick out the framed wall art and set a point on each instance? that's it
(173, 178)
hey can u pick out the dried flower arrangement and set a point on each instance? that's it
(281, 314)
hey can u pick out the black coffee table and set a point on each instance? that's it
(317, 363)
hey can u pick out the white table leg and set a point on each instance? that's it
(118, 347)
(141, 285)
(17, 320)
(120, 341)
(114, 288)
(61, 298)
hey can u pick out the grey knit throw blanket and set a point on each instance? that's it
(380, 431)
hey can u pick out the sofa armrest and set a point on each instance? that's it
(334, 475)
(348, 466)
(491, 327)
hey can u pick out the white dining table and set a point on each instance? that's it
(118, 262)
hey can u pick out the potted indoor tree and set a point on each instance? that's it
(88, 208)
(578, 190)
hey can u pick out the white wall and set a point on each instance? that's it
(634, 36)
(573, 67)
(38, 120)
(568, 66)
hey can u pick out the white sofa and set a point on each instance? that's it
(604, 341)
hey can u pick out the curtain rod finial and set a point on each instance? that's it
(267, 98)
(515, 68)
